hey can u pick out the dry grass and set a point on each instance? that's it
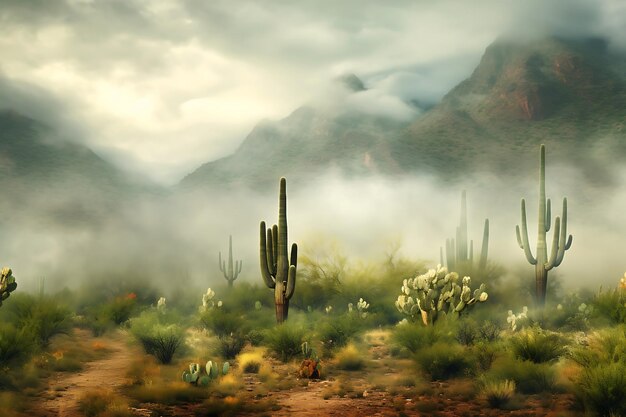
(102, 403)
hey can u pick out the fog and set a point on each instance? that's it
(173, 240)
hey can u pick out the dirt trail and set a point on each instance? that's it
(65, 389)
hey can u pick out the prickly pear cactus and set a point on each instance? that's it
(7, 284)
(212, 371)
(435, 293)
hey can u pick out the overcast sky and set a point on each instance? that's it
(163, 86)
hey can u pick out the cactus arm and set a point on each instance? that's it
(484, 251)
(291, 282)
(551, 263)
(275, 247)
(523, 240)
(564, 244)
(222, 264)
(293, 259)
(548, 215)
(264, 255)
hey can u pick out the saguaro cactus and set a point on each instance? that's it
(231, 273)
(277, 269)
(560, 241)
(460, 256)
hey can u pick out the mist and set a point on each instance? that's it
(173, 240)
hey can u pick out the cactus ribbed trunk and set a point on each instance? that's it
(560, 241)
(460, 255)
(231, 272)
(278, 269)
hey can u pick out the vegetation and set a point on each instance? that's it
(278, 270)
(560, 242)
(231, 273)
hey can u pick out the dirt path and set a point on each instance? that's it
(65, 389)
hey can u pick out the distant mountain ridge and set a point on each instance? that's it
(565, 93)
(63, 181)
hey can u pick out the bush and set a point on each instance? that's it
(43, 317)
(285, 340)
(467, 332)
(118, 310)
(498, 393)
(610, 305)
(604, 347)
(349, 359)
(230, 346)
(602, 389)
(222, 322)
(529, 377)
(415, 336)
(537, 346)
(15, 345)
(485, 354)
(443, 361)
(489, 331)
(250, 362)
(335, 332)
(160, 340)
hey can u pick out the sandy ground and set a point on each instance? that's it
(64, 389)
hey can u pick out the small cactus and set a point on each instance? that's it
(437, 292)
(7, 284)
(212, 371)
(232, 272)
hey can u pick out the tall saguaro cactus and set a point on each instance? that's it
(459, 255)
(231, 273)
(560, 241)
(277, 269)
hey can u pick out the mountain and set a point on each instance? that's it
(60, 181)
(307, 142)
(565, 93)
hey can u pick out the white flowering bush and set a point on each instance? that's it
(161, 305)
(437, 291)
(361, 308)
(514, 319)
(208, 301)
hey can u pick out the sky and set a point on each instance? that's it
(161, 87)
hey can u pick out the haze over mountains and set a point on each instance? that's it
(70, 212)
(569, 94)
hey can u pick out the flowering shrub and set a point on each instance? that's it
(437, 291)
(513, 319)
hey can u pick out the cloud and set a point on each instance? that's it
(163, 86)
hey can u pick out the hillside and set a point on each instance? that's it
(59, 181)
(565, 93)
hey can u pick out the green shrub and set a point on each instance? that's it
(466, 332)
(485, 354)
(529, 377)
(415, 336)
(605, 347)
(443, 360)
(160, 340)
(337, 331)
(602, 389)
(15, 345)
(537, 345)
(285, 340)
(230, 346)
(489, 331)
(44, 317)
(222, 322)
(118, 310)
(498, 393)
(610, 305)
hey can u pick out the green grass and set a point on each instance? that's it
(285, 340)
